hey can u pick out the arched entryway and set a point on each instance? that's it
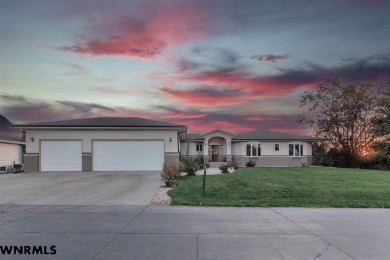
(216, 149)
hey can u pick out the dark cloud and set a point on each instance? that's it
(217, 54)
(21, 109)
(207, 96)
(269, 57)
(75, 70)
(205, 121)
(238, 77)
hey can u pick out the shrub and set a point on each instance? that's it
(224, 168)
(190, 166)
(233, 164)
(250, 164)
(170, 173)
(199, 161)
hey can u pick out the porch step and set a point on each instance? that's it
(216, 164)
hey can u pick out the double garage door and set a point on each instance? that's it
(106, 155)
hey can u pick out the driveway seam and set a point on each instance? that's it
(120, 232)
(5, 216)
(327, 243)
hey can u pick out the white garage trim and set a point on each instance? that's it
(127, 155)
(61, 155)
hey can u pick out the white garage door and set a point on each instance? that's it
(128, 155)
(61, 156)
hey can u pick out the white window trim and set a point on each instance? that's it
(199, 147)
(300, 150)
(251, 149)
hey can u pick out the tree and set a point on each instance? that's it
(381, 127)
(341, 110)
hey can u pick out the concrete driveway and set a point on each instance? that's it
(79, 188)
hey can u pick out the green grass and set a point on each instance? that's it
(287, 187)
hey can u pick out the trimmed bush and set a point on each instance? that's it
(224, 168)
(250, 164)
(170, 173)
(190, 166)
(233, 164)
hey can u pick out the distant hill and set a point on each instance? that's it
(6, 130)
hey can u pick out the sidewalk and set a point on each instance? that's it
(158, 232)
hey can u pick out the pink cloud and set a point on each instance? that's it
(182, 116)
(263, 118)
(261, 86)
(196, 127)
(146, 37)
(207, 96)
(134, 46)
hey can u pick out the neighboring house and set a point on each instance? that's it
(120, 144)
(11, 152)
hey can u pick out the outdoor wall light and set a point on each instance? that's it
(170, 139)
(32, 139)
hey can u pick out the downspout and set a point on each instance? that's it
(178, 143)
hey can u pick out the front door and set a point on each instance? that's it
(216, 153)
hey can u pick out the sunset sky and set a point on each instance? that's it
(237, 65)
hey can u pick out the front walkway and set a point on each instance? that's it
(158, 232)
(213, 171)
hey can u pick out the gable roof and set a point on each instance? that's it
(101, 122)
(217, 130)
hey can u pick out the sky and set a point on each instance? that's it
(236, 65)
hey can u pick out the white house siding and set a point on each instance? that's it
(268, 148)
(88, 136)
(270, 157)
(189, 148)
(10, 153)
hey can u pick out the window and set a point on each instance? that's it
(295, 149)
(254, 150)
(199, 147)
(291, 150)
(276, 147)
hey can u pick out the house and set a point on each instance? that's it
(262, 147)
(132, 143)
(11, 152)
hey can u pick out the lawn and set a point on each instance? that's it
(287, 187)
